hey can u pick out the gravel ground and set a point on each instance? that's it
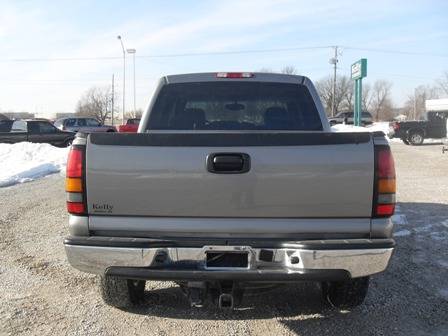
(41, 295)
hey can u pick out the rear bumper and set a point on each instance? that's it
(268, 261)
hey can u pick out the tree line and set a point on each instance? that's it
(97, 102)
(376, 97)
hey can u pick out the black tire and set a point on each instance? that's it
(416, 138)
(346, 294)
(121, 293)
(405, 141)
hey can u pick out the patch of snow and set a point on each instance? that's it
(443, 263)
(438, 235)
(424, 228)
(348, 128)
(399, 219)
(444, 293)
(445, 223)
(402, 233)
(25, 161)
(382, 126)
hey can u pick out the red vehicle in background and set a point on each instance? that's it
(131, 126)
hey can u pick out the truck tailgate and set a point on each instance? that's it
(291, 175)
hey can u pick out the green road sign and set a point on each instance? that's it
(359, 71)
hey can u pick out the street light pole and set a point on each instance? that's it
(334, 61)
(133, 51)
(113, 98)
(124, 78)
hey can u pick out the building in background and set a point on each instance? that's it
(436, 104)
(19, 115)
(64, 115)
(3, 117)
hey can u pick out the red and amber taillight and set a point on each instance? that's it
(75, 182)
(385, 184)
(396, 126)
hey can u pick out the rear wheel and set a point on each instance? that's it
(121, 293)
(416, 138)
(346, 294)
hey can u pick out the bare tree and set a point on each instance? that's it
(366, 97)
(267, 70)
(344, 93)
(134, 114)
(381, 102)
(96, 103)
(443, 84)
(289, 70)
(414, 107)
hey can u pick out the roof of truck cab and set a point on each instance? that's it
(212, 77)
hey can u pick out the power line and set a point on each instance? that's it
(208, 53)
(235, 52)
(218, 53)
(398, 52)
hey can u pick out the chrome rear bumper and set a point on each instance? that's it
(358, 257)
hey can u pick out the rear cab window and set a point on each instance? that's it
(234, 106)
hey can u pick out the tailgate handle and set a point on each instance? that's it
(228, 163)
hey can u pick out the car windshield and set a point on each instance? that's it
(234, 106)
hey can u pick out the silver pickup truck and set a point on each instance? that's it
(233, 180)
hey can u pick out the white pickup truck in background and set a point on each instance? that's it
(233, 179)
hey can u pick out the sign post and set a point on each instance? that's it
(359, 71)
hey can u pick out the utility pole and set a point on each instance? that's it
(133, 51)
(113, 98)
(334, 61)
(415, 104)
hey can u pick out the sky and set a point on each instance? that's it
(53, 51)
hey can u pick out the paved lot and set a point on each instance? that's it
(41, 295)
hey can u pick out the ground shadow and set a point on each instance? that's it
(436, 143)
(404, 300)
(285, 300)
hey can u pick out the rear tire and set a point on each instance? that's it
(346, 294)
(121, 293)
(416, 138)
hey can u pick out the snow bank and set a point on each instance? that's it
(375, 127)
(25, 161)
(382, 126)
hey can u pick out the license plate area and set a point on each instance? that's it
(226, 259)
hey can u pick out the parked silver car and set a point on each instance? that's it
(82, 124)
